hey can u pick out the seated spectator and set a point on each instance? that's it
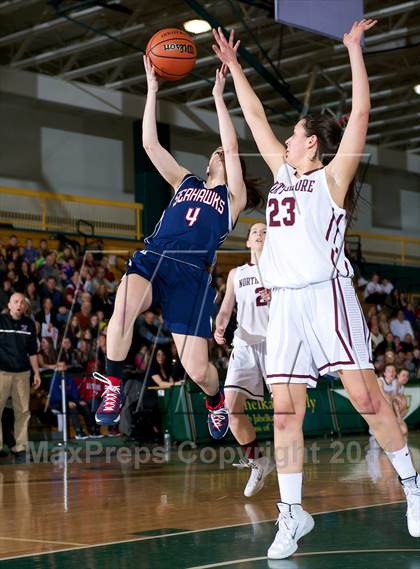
(74, 331)
(49, 268)
(400, 327)
(12, 248)
(6, 291)
(101, 301)
(383, 323)
(49, 290)
(67, 353)
(387, 286)
(47, 313)
(83, 315)
(407, 343)
(29, 253)
(160, 370)
(75, 405)
(373, 292)
(147, 327)
(94, 325)
(390, 357)
(141, 359)
(100, 279)
(375, 334)
(83, 354)
(409, 313)
(90, 391)
(409, 363)
(24, 277)
(47, 356)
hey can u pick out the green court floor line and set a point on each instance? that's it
(381, 528)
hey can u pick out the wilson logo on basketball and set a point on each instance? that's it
(182, 47)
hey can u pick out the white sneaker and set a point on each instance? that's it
(260, 468)
(412, 491)
(293, 523)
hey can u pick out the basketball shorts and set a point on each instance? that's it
(246, 371)
(316, 330)
(184, 292)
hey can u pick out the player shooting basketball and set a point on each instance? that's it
(316, 325)
(173, 270)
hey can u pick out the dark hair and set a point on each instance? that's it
(254, 197)
(329, 132)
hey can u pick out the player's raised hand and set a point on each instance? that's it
(225, 49)
(219, 335)
(219, 83)
(152, 80)
(354, 36)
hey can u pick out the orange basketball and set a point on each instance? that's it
(172, 53)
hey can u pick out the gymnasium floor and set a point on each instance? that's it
(171, 514)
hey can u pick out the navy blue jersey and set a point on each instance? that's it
(197, 220)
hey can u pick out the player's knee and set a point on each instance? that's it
(198, 374)
(287, 421)
(370, 404)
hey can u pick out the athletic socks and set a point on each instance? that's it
(214, 400)
(252, 450)
(401, 461)
(290, 485)
(115, 369)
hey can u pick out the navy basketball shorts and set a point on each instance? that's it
(184, 292)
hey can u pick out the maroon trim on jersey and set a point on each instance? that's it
(292, 375)
(345, 311)
(347, 268)
(331, 364)
(251, 264)
(309, 172)
(327, 236)
(351, 361)
(338, 225)
(333, 263)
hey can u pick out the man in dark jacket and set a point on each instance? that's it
(18, 353)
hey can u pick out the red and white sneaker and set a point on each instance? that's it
(108, 412)
(218, 418)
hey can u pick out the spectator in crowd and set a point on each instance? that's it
(375, 334)
(409, 313)
(90, 391)
(67, 354)
(49, 268)
(47, 356)
(74, 331)
(387, 286)
(400, 327)
(12, 248)
(5, 293)
(31, 294)
(147, 326)
(101, 301)
(49, 290)
(84, 314)
(18, 354)
(374, 292)
(75, 405)
(29, 253)
(160, 370)
(407, 344)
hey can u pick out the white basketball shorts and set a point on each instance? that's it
(246, 372)
(316, 330)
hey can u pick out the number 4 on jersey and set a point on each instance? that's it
(192, 215)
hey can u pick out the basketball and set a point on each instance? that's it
(172, 52)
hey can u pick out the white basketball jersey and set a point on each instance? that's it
(252, 310)
(304, 243)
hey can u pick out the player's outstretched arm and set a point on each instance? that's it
(235, 180)
(165, 163)
(225, 312)
(272, 151)
(342, 169)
